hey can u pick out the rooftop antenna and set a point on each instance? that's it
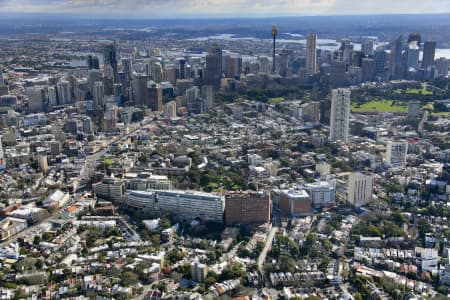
(274, 35)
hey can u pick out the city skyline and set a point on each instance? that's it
(216, 8)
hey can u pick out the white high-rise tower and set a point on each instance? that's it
(340, 115)
(360, 189)
(311, 54)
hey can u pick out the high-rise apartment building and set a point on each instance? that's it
(340, 115)
(396, 154)
(360, 189)
(247, 207)
(311, 54)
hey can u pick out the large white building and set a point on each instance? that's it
(396, 154)
(340, 115)
(360, 189)
(311, 54)
(322, 193)
(185, 205)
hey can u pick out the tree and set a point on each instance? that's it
(357, 296)
(128, 278)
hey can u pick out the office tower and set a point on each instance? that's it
(247, 207)
(140, 91)
(156, 72)
(36, 97)
(87, 125)
(2, 156)
(347, 53)
(110, 56)
(127, 68)
(213, 70)
(360, 189)
(357, 57)
(208, 96)
(396, 58)
(181, 68)
(396, 154)
(110, 119)
(118, 90)
(354, 75)
(413, 53)
(93, 77)
(155, 96)
(232, 65)
(340, 115)
(274, 36)
(198, 271)
(311, 54)
(170, 74)
(170, 110)
(442, 66)
(92, 62)
(414, 37)
(192, 94)
(64, 95)
(52, 96)
(429, 51)
(379, 57)
(367, 47)
(337, 74)
(368, 69)
(414, 109)
(99, 94)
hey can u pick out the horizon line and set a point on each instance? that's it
(13, 15)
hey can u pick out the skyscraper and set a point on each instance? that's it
(99, 94)
(360, 189)
(368, 69)
(2, 156)
(337, 74)
(396, 58)
(2, 80)
(64, 95)
(155, 96)
(379, 57)
(214, 66)
(92, 62)
(340, 115)
(429, 51)
(208, 96)
(35, 98)
(110, 56)
(127, 68)
(367, 47)
(311, 54)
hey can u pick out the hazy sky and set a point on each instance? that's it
(189, 8)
